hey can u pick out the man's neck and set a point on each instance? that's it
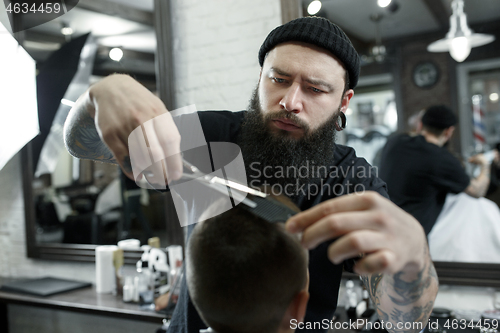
(438, 141)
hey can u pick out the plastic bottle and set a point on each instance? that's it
(128, 289)
(351, 300)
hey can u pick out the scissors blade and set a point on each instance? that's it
(220, 186)
(237, 186)
(214, 179)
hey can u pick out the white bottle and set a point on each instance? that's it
(128, 290)
(351, 299)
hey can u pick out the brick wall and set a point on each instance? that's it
(415, 98)
(215, 50)
(443, 92)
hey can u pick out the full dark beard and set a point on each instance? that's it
(276, 158)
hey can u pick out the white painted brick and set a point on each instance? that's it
(216, 42)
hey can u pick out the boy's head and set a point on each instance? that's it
(245, 274)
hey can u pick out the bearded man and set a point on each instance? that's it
(308, 71)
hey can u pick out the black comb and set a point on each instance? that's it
(270, 209)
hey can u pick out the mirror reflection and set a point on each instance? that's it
(80, 201)
(104, 209)
(400, 78)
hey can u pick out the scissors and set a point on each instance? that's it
(191, 172)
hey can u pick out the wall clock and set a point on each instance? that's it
(425, 74)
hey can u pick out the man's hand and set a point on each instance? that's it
(392, 242)
(479, 159)
(162, 301)
(390, 239)
(108, 112)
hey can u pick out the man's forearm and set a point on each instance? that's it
(80, 134)
(479, 185)
(404, 298)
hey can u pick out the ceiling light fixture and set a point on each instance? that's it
(377, 52)
(460, 39)
(116, 54)
(383, 3)
(67, 102)
(66, 30)
(314, 7)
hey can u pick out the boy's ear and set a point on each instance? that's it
(303, 298)
(296, 310)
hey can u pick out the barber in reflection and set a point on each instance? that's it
(309, 68)
(420, 171)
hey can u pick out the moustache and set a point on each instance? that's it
(288, 116)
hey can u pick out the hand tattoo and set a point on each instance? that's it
(84, 142)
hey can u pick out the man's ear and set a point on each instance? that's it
(345, 100)
(419, 126)
(449, 132)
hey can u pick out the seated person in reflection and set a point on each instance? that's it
(245, 274)
(420, 171)
(414, 127)
(493, 192)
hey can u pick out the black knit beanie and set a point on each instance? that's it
(439, 116)
(318, 31)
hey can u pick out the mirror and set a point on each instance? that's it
(392, 42)
(73, 205)
(405, 40)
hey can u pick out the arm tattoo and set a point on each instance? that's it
(84, 142)
(409, 292)
(371, 283)
(364, 278)
(374, 281)
(432, 272)
(417, 314)
(397, 300)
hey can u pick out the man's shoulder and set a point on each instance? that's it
(417, 144)
(349, 168)
(221, 115)
(345, 155)
(403, 139)
(221, 125)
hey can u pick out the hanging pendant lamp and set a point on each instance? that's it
(460, 39)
